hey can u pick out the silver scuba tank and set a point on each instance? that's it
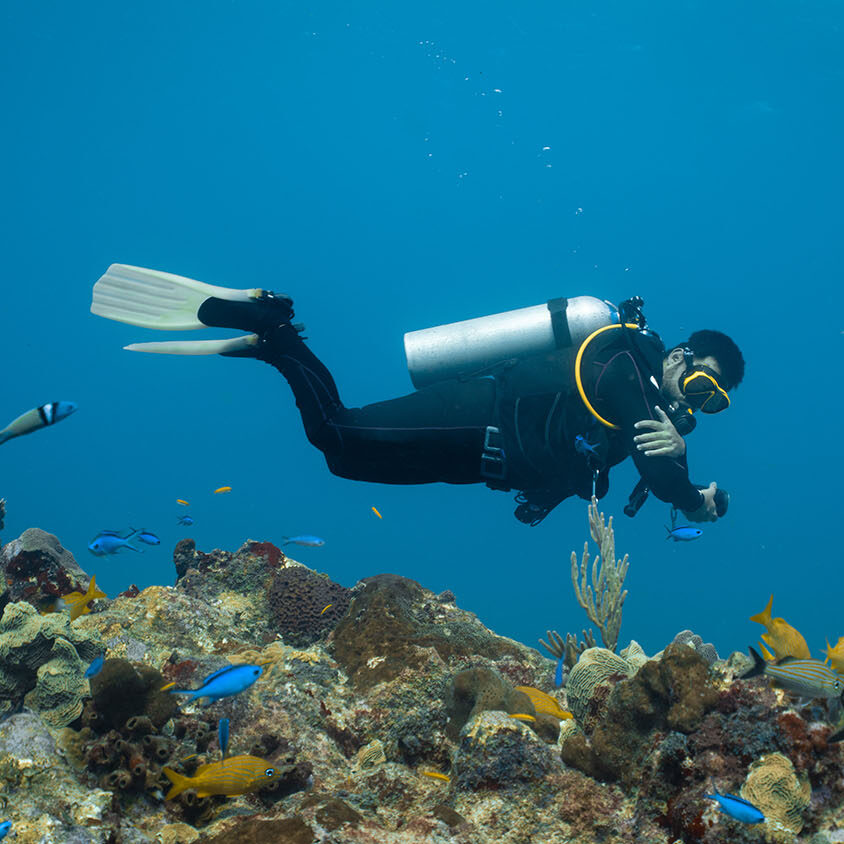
(536, 346)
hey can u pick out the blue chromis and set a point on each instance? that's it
(148, 538)
(185, 520)
(736, 807)
(95, 667)
(304, 539)
(807, 678)
(110, 542)
(230, 680)
(5, 828)
(223, 735)
(683, 533)
(584, 447)
(558, 674)
(39, 417)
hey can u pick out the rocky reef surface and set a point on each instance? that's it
(386, 708)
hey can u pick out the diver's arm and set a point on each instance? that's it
(631, 398)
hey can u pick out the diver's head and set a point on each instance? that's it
(700, 372)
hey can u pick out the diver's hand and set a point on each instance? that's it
(706, 512)
(664, 441)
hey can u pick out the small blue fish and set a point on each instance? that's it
(736, 807)
(227, 681)
(95, 667)
(184, 520)
(223, 735)
(558, 674)
(110, 542)
(683, 533)
(5, 828)
(584, 447)
(148, 538)
(304, 539)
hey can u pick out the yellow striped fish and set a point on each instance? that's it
(522, 716)
(235, 775)
(544, 703)
(808, 678)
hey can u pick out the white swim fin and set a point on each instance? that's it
(154, 299)
(197, 347)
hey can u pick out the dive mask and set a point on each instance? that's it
(700, 388)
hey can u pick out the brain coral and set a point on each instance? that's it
(773, 786)
(26, 643)
(595, 666)
(60, 686)
(298, 597)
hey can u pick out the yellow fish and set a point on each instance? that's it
(222, 489)
(781, 637)
(78, 601)
(235, 775)
(835, 655)
(522, 716)
(182, 501)
(325, 608)
(436, 775)
(543, 702)
(377, 513)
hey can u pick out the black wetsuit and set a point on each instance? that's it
(438, 433)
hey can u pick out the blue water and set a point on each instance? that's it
(399, 166)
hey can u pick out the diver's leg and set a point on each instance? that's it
(435, 434)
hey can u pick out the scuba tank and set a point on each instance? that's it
(540, 343)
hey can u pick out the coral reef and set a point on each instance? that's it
(772, 785)
(391, 723)
(306, 605)
(584, 691)
(37, 569)
(44, 655)
(603, 600)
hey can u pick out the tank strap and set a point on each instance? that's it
(559, 322)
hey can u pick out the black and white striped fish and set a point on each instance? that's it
(38, 417)
(808, 678)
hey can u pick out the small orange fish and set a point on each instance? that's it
(182, 501)
(544, 703)
(436, 775)
(78, 601)
(835, 655)
(377, 513)
(235, 775)
(781, 637)
(522, 716)
(168, 686)
(325, 608)
(222, 489)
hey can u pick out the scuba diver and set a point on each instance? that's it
(542, 400)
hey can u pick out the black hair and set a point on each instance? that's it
(708, 343)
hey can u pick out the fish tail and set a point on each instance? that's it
(93, 591)
(133, 548)
(190, 692)
(180, 783)
(764, 617)
(765, 652)
(759, 666)
(669, 531)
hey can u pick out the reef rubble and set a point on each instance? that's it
(387, 710)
